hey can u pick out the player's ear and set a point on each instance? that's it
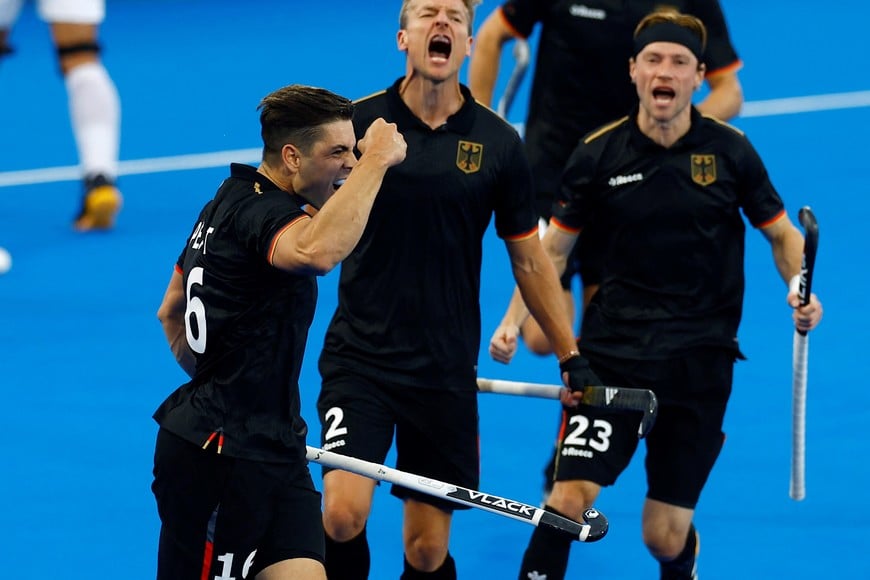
(699, 77)
(401, 40)
(291, 155)
(632, 69)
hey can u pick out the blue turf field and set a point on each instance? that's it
(84, 362)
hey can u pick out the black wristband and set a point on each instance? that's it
(573, 363)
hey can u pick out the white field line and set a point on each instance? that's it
(810, 104)
(766, 108)
(136, 166)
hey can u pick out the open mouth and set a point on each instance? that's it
(337, 183)
(439, 47)
(663, 94)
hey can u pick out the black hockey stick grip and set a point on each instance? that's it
(624, 399)
(811, 244)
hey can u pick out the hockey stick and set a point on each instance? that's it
(521, 56)
(800, 356)
(594, 528)
(610, 397)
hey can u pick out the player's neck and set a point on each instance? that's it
(276, 176)
(432, 102)
(664, 133)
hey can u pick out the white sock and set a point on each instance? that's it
(95, 114)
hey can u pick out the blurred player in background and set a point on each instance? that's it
(94, 105)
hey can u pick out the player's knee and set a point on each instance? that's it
(664, 544)
(572, 497)
(342, 521)
(426, 552)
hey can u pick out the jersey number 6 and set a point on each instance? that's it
(194, 315)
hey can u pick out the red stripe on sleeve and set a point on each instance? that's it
(278, 236)
(555, 222)
(510, 26)
(523, 236)
(729, 68)
(772, 220)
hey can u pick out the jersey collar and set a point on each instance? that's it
(459, 122)
(248, 173)
(690, 139)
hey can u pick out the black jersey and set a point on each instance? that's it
(581, 76)
(247, 323)
(409, 294)
(672, 269)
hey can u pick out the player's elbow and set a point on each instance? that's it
(323, 265)
(171, 310)
(313, 260)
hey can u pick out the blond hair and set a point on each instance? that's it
(470, 5)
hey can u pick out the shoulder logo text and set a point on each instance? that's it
(623, 179)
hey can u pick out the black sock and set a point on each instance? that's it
(547, 553)
(681, 566)
(348, 560)
(447, 571)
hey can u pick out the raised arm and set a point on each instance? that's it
(486, 56)
(319, 244)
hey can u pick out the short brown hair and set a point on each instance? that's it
(295, 114)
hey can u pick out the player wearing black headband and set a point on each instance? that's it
(579, 84)
(668, 185)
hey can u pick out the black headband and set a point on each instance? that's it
(669, 32)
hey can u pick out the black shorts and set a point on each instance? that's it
(693, 390)
(231, 516)
(436, 430)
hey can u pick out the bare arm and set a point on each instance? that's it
(725, 98)
(537, 271)
(171, 316)
(486, 56)
(787, 244)
(319, 244)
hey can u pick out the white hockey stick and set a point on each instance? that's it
(518, 388)
(521, 56)
(610, 397)
(594, 528)
(800, 358)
